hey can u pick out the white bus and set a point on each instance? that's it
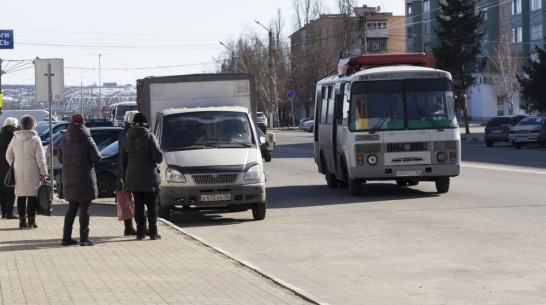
(380, 121)
(117, 112)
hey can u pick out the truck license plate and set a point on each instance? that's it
(408, 173)
(216, 197)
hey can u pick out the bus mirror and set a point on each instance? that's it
(338, 109)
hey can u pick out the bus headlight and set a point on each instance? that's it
(172, 175)
(372, 159)
(441, 157)
(253, 173)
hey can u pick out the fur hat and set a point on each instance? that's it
(28, 122)
(140, 119)
(78, 119)
(10, 121)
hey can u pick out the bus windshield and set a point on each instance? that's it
(402, 104)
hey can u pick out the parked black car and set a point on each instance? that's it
(44, 136)
(107, 170)
(497, 129)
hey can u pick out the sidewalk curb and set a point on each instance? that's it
(297, 291)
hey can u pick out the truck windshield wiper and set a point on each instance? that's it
(424, 114)
(229, 141)
(383, 119)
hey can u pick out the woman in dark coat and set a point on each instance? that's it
(140, 154)
(78, 153)
(7, 194)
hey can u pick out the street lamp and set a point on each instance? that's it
(232, 57)
(272, 85)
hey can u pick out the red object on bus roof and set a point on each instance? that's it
(351, 65)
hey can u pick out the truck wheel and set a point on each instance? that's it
(401, 182)
(331, 181)
(442, 185)
(354, 187)
(164, 212)
(489, 143)
(258, 211)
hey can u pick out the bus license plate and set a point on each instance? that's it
(216, 197)
(408, 173)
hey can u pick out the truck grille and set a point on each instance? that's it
(213, 178)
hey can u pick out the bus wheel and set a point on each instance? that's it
(442, 185)
(331, 181)
(354, 187)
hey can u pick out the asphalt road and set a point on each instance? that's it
(481, 243)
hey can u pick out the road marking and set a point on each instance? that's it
(504, 168)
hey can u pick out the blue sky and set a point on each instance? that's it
(135, 39)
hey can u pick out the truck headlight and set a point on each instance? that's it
(253, 173)
(172, 175)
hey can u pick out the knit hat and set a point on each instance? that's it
(140, 119)
(11, 121)
(28, 122)
(78, 119)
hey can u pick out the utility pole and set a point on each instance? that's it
(272, 83)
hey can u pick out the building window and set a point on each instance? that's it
(536, 5)
(427, 29)
(409, 32)
(536, 31)
(516, 7)
(408, 11)
(426, 5)
(516, 35)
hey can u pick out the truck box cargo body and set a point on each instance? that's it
(206, 127)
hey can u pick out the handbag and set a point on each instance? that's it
(44, 206)
(126, 205)
(9, 179)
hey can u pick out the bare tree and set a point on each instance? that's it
(507, 65)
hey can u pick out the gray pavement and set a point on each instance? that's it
(178, 269)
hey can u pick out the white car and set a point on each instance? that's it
(262, 118)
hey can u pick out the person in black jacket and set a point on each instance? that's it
(140, 155)
(78, 153)
(7, 194)
(128, 123)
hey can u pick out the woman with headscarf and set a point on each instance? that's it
(139, 155)
(7, 193)
(26, 153)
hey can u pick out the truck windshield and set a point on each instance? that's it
(402, 104)
(211, 129)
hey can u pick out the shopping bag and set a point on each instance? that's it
(126, 205)
(9, 179)
(44, 206)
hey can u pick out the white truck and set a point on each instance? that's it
(206, 127)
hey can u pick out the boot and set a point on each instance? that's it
(129, 230)
(32, 223)
(67, 237)
(9, 212)
(22, 222)
(84, 238)
(153, 233)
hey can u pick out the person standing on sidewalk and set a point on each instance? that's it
(77, 154)
(128, 123)
(7, 194)
(26, 153)
(140, 155)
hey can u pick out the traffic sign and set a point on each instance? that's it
(291, 94)
(6, 39)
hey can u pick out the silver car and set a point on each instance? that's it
(529, 130)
